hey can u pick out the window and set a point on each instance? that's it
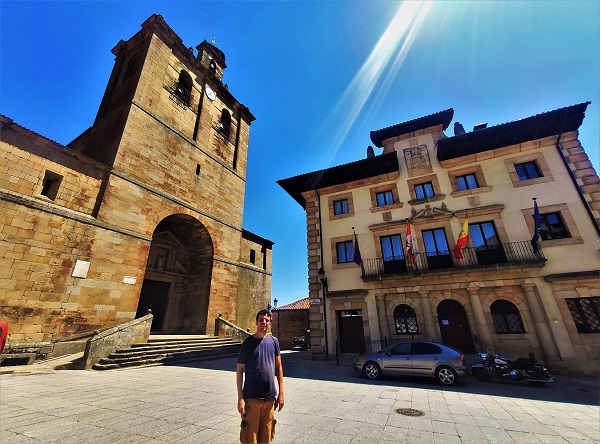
(183, 87)
(391, 248)
(484, 235)
(340, 207)
(405, 319)
(345, 252)
(466, 182)
(401, 349)
(424, 190)
(50, 185)
(197, 169)
(586, 314)
(423, 348)
(384, 198)
(506, 317)
(528, 170)
(252, 256)
(437, 254)
(131, 65)
(435, 242)
(225, 123)
(553, 227)
(212, 66)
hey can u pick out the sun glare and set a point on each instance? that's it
(392, 47)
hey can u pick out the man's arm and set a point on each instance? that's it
(239, 379)
(279, 373)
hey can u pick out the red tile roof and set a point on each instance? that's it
(302, 304)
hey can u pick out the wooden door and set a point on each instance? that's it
(351, 334)
(454, 326)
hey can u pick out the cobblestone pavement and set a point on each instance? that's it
(325, 403)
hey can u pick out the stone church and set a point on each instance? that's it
(143, 210)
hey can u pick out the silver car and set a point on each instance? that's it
(414, 358)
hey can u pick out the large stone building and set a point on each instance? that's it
(143, 210)
(503, 291)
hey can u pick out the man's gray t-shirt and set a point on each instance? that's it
(258, 355)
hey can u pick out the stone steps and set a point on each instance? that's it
(174, 351)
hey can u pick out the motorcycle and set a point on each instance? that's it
(522, 369)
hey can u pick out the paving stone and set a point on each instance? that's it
(131, 407)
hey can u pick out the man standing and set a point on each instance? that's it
(258, 364)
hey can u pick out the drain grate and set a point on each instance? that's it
(410, 412)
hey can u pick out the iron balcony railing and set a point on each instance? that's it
(182, 93)
(509, 253)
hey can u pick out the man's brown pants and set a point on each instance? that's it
(258, 423)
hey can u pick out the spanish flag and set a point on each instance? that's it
(463, 239)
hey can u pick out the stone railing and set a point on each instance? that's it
(224, 328)
(103, 343)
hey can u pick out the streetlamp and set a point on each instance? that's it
(275, 309)
(323, 281)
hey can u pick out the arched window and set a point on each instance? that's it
(183, 88)
(212, 66)
(225, 124)
(506, 316)
(405, 319)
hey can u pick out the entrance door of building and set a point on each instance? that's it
(454, 326)
(154, 296)
(351, 334)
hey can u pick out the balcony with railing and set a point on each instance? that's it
(496, 255)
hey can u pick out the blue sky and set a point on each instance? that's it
(318, 76)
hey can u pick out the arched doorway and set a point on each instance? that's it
(178, 276)
(454, 326)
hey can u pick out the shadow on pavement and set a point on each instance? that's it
(299, 364)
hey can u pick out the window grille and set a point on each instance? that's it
(506, 317)
(585, 313)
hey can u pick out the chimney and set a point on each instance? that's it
(458, 129)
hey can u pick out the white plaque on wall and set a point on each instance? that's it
(81, 269)
(129, 280)
(315, 301)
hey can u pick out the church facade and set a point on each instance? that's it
(142, 211)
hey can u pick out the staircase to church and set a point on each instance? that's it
(166, 350)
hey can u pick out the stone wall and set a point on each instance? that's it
(150, 166)
(288, 324)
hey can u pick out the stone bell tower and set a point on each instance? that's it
(176, 141)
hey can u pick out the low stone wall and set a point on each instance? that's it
(224, 328)
(102, 344)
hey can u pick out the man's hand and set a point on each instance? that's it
(242, 406)
(279, 403)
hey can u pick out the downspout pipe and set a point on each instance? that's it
(322, 286)
(574, 179)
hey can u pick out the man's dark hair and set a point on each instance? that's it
(264, 313)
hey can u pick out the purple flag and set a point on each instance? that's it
(357, 258)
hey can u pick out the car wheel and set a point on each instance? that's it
(371, 370)
(480, 373)
(446, 376)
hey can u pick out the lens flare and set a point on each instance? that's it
(400, 33)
